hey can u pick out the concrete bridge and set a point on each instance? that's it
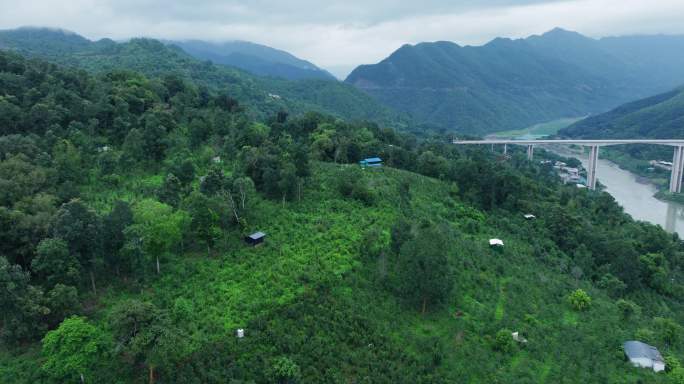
(677, 162)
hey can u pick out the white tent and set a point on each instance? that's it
(530, 216)
(496, 243)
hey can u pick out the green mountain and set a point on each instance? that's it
(264, 97)
(656, 117)
(124, 205)
(511, 84)
(255, 58)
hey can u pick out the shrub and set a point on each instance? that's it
(628, 308)
(504, 341)
(285, 371)
(579, 300)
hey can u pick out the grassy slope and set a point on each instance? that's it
(319, 239)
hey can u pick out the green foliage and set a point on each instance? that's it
(157, 227)
(336, 287)
(672, 363)
(285, 371)
(23, 307)
(147, 335)
(668, 330)
(154, 59)
(205, 218)
(579, 300)
(353, 184)
(653, 117)
(466, 89)
(78, 225)
(76, 350)
(628, 308)
(503, 341)
(423, 272)
(55, 264)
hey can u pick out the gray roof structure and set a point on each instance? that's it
(637, 349)
(256, 235)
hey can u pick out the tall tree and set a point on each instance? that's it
(147, 335)
(205, 219)
(424, 274)
(22, 306)
(75, 351)
(54, 264)
(79, 227)
(113, 239)
(158, 227)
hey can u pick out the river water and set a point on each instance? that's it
(634, 194)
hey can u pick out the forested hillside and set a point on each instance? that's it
(511, 84)
(262, 97)
(656, 117)
(125, 201)
(255, 58)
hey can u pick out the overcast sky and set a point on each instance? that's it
(339, 35)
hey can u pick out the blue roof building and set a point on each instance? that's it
(371, 162)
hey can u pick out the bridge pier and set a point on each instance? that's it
(591, 172)
(677, 170)
(505, 149)
(677, 164)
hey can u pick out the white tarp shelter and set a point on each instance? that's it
(643, 355)
(496, 243)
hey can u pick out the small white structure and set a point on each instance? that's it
(240, 333)
(666, 165)
(529, 216)
(518, 338)
(216, 159)
(581, 186)
(643, 355)
(495, 243)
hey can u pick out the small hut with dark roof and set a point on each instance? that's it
(255, 238)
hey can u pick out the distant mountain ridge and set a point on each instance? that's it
(264, 96)
(510, 84)
(256, 58)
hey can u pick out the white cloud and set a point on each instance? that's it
(342, 34)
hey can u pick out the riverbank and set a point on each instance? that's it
(644, 170)
(669, 196)
(636, 194)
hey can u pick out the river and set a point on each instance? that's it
(634, 194)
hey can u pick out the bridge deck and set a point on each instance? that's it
(673, 142)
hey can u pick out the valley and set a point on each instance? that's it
(536, 131)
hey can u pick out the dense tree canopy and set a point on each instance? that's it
(126, 199)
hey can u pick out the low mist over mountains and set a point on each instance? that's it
(508, 84)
